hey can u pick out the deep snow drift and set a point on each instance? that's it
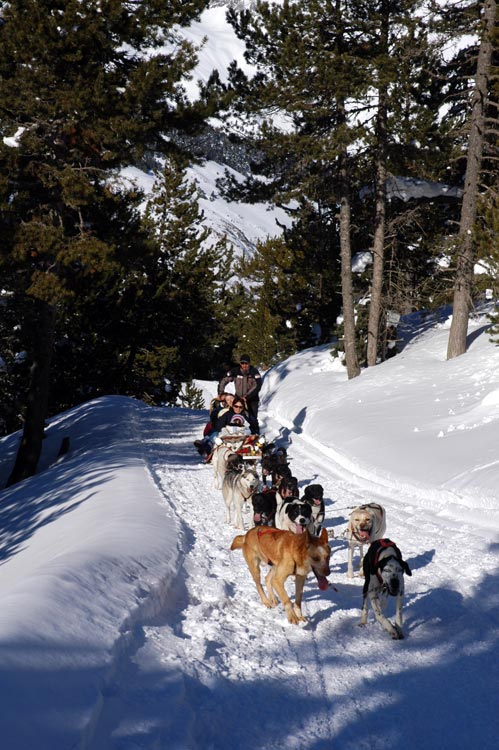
(127, 623)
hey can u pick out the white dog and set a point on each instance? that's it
(238, 486)
(366, 524)
(223, 456)
(384, 571)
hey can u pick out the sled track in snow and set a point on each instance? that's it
(216, 669)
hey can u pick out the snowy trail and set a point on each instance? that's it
(240, 672)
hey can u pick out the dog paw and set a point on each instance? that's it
(270, 602)
(397, 634)
(299, 614)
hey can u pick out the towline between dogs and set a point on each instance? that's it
(229, 672)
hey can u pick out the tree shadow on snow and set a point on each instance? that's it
(434, 689)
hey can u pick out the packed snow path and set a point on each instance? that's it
(217, 670)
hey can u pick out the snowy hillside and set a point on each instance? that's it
(127, 623)
(242, 224)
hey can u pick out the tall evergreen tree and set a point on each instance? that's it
(464, 282)
(305, 56)
(84, 89)
(334, 69)
(192, 273)
(296, 296)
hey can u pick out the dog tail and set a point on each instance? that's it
(237, 542)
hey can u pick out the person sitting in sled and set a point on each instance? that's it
(218, 406)
(248, 382)
(232, 420)
(238, 409)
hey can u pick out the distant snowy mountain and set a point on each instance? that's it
(243, 224)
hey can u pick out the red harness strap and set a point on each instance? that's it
(382, 544)
(268, 530)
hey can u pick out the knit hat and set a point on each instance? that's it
(237, 419)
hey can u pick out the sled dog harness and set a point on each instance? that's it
(268, 530)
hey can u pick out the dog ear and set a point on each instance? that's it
(406, 568)
(324, 537)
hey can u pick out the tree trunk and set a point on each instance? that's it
(375, 306)
(464, 281)
(37, 397)
(352, 363)
(349, 332)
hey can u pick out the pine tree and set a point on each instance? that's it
(319, 64)
(296, 292)
(464, 280)
(193, 272)
(305, 55)
(79, 98)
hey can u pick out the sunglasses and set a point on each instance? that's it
(238, 406)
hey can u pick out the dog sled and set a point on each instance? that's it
(248, 447)
(251, 449)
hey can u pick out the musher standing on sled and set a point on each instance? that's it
(247, 382)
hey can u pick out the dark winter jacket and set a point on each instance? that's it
(247, 384)
(226, 419)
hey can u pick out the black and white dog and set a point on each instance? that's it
(266, 503)
(314, 496)
(384, 571)
(294, 515)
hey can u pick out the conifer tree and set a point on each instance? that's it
(464, 281)
(85, 88)
(296, 290)
(192, 272)
(319, 63)
(305, 56)
(154, 316)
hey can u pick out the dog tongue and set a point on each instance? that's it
(299, 528)
(364, 535)
(323, 582)
(257, 517)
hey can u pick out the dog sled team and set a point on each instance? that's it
(287, 533)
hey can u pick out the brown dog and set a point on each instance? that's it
(288, 554)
